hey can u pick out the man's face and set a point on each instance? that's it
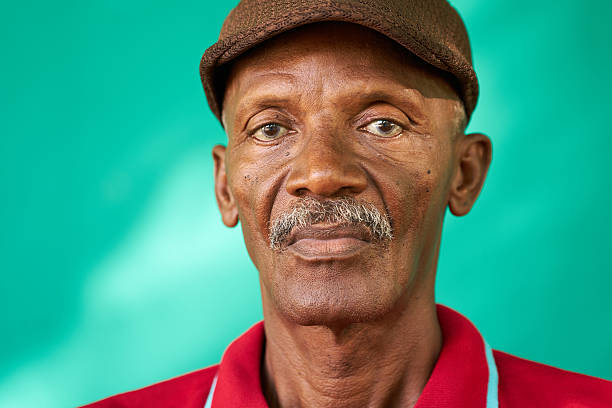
(337, 112)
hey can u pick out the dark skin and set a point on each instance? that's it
(332, 110)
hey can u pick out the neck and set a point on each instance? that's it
(380, 364)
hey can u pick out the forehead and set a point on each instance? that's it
(337, 60)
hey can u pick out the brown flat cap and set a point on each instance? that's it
(430, 29)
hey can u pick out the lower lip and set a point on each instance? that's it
(319, 249)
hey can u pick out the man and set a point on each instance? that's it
(345, 124)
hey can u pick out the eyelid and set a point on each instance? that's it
(381, 118)
(255, 128)
(384, 111)
(369, 121)
(269, 114)
(258, 127)
(263, 117)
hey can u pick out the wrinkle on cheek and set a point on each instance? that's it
(416, 193)
(242, 176)
(416, 206)
(256, 181)
(422, 213)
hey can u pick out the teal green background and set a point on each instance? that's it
(116, 271)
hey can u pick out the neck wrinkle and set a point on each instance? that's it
(379, 364)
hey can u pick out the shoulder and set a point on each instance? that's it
(526, 383)
(188, 390)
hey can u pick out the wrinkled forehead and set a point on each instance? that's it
(354, 52)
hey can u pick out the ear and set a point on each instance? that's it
(474, 152)
(225, 198)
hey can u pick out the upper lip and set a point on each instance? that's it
(329, 231)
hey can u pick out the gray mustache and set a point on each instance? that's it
(345, 211)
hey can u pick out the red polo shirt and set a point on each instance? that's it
(467, 374)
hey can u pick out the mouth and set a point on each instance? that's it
(328, 242)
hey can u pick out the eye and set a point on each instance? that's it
(270, 131)
(384, 128)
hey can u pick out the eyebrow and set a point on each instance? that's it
(252, 105)
(255, 100)
(408, 98)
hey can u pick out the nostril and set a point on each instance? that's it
(326, 183)
(301, 192)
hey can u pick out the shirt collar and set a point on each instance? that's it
(464, 375)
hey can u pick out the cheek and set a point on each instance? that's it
(253, 186)
(416, 190)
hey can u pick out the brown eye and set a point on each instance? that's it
(270, 131)
(384, 128)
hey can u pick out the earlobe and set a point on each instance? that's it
(225, 198)
(474, 157)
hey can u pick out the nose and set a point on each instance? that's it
(327, 167)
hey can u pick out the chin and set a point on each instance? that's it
(324, 315)
(333, 300)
